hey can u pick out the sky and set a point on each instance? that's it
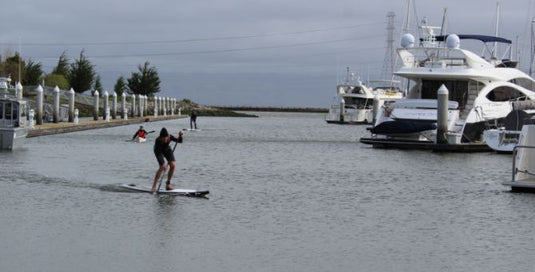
(243, 53)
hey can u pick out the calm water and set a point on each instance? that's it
(288, 193)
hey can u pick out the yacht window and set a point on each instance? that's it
(1, 110)
(525, 83)
(15, 111)
(458, 90)
(7, 113)
(505, 93)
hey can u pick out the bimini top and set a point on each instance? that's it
(483, 38)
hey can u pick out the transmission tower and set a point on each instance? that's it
(388, 64)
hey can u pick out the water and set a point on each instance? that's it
(288, 193)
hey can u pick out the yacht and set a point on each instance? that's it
(481, 90)
(13, 123)
(353, 102)
(523, 173)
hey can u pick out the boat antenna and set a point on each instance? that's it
(532, 49)
(20, 57)
(497, 23)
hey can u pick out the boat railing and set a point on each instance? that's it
(515, 170)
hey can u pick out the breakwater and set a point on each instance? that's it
(273, 109)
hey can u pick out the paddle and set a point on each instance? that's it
(164, 172)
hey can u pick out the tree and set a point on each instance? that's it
(98, 85)
(81, 74)
(13, 66)
(63, 66)
(120, 86)
(53, 80)
(33, 73)
(146, 82)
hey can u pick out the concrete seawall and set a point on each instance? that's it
(66, 127)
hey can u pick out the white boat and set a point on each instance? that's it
(523, 170)
(141, 139)
(481, 91)
(504, 139)
(13, 123)
(353, 102)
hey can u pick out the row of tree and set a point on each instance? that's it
(79, 75)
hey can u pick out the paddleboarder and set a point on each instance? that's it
(193, 120)
(163, 150)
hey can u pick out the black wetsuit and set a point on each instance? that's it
(193, 120)
(163, 150)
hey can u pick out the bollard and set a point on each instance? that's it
(95, 105)
(39, 101)
(55, 108)
(18, 90)
(75, 120)
(71, 96)
(376, 106)
(155, 106)
(31, 114)
(123, 106)
(141, 103)
(442, 115)
(105, 106)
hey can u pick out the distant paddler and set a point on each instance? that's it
(141, 134)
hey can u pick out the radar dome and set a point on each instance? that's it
(453, 41)
(407, 40)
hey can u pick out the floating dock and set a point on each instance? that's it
(426, 145)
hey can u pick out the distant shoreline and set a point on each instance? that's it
(272, 109)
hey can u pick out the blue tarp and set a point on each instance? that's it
(483, 38)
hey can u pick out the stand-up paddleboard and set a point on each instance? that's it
(191, 129)
(183, 192)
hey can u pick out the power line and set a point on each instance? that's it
(237, 37)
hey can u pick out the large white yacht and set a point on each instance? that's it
(353, 102)
(481, 90)
(13, 123)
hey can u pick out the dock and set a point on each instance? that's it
(86, 124)
(426, 145)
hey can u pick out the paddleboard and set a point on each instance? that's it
(178, 191)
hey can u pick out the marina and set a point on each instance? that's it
(480, 92)
(280, 199)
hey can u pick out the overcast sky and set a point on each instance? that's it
(238, 52)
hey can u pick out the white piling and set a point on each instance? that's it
(105, 106)
(18, 90)
(95, 105)
(70, 94)
(133, 105)
(75, 120)
(39, 100)
(442, 115)
(55, 106)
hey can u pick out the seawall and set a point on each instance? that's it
(66, 127)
